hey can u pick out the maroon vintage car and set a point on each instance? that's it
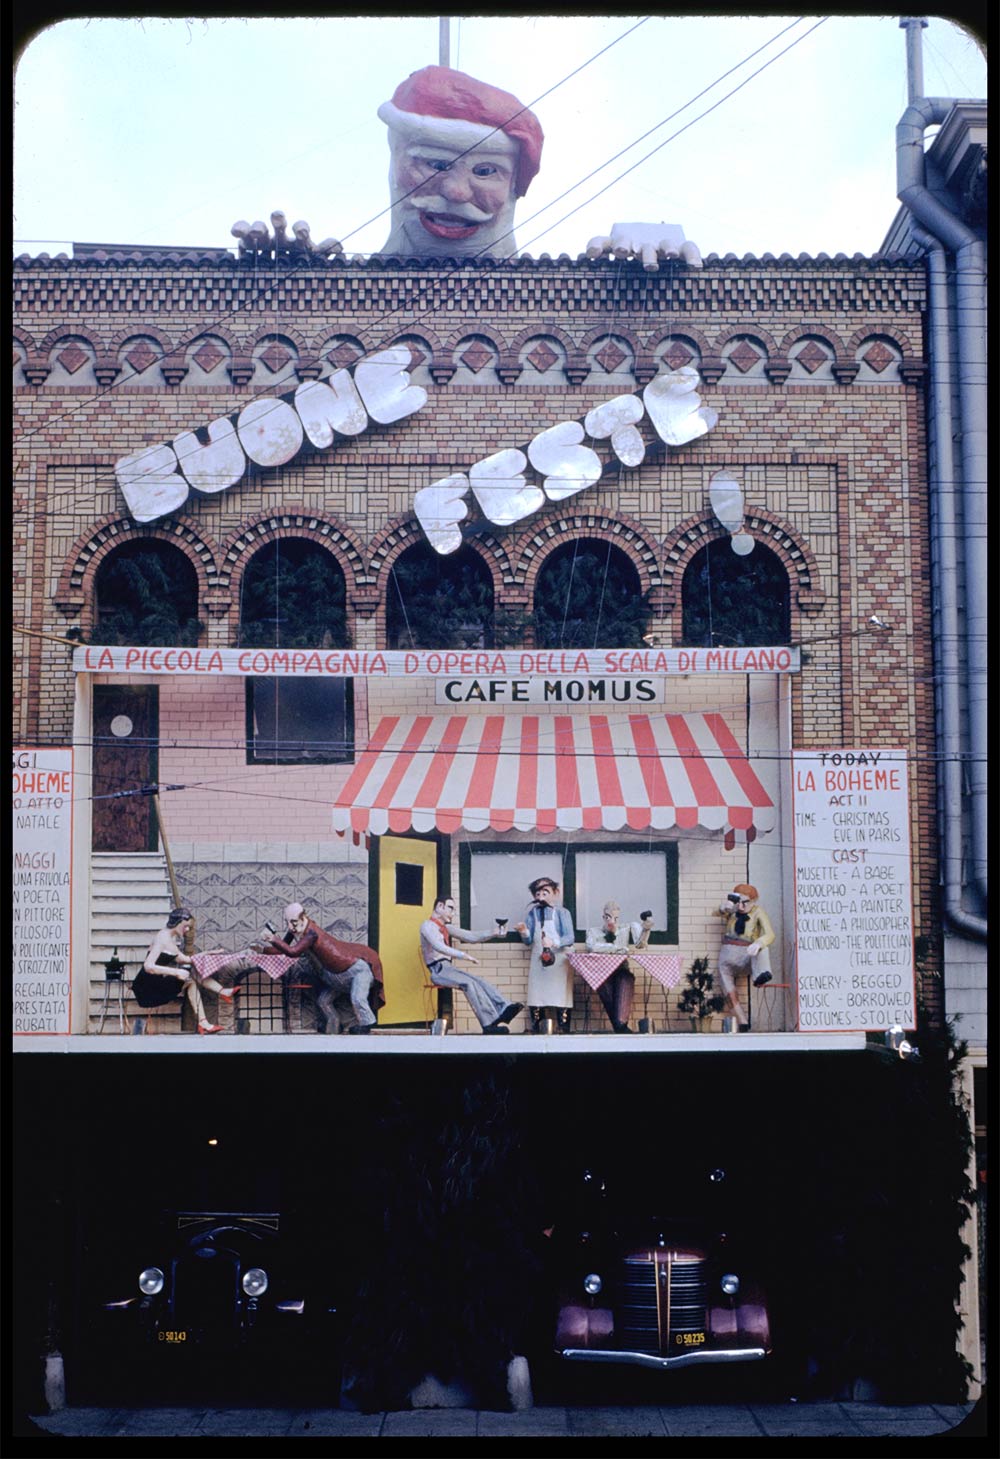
(656, 1294)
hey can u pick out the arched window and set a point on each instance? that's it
(440, 602)
(588, 595)
(146, 592)
(732, 600)
(293, 595)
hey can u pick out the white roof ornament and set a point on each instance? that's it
(649, 241)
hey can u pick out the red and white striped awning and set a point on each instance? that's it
(553, 773)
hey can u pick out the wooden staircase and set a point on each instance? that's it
(130, 898)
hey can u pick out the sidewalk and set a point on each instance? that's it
(774, 1420)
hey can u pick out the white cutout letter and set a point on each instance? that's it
(270, 431)
(384, 385)
(439, 508)
(567, 466)
(215, 466)
(149, 483)
(325, 406)
(502, 491)
(674, 406)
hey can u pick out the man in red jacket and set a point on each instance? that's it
(347, 971)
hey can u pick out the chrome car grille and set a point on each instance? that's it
(206, 1292)
(660, 1296)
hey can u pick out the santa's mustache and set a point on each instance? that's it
(467, 212)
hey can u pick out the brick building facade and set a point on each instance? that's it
(815, 367)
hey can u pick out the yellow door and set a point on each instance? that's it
(407, 882)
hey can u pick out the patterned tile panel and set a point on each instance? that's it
(232, 902)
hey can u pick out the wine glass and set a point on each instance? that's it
(501, 925)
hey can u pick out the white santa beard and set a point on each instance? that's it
(409, 237)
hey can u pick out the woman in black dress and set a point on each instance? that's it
(166, 973)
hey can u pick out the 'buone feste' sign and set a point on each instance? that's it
(271, 430)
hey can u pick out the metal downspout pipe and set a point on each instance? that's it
(944, 535)
(949, 232)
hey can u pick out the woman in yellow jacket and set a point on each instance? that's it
(745, 941)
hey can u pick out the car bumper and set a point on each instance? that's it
(653, 1360)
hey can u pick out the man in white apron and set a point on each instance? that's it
(548, 930)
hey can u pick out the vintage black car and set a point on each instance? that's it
(213, 1277)
(655, 1293)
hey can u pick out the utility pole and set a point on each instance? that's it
(444, 42)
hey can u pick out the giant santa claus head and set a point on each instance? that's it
(462, 153)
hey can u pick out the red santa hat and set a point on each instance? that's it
(437, 103)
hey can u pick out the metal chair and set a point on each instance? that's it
(765, 1004)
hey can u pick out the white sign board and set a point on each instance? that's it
(853, 903)
(42, 881)
(584, 690)
(449, 663)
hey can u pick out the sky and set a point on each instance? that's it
(166, 131)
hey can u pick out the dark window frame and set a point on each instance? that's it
(467, 624)
(257, 756)
(174, 562)
(628, 596)
(729, 614)
(567, 852)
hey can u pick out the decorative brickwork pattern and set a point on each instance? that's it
(830, 454)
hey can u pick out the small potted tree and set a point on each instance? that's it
(699, 1000)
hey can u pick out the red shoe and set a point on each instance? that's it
(210, 1028)
(228, 993)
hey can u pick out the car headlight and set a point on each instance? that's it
(730, 1284)
(592, 1284)
(255, 1281)
(151, 1281)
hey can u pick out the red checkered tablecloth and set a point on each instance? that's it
(207, 964)
(596, 968)
(665, 967)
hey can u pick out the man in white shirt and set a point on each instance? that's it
(439, 953)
